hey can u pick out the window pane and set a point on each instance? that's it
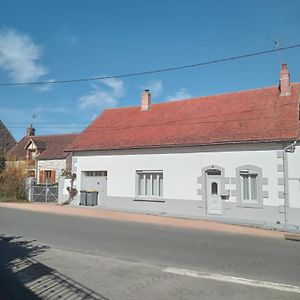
(148, 191)
(253, 179)
(141, 185)
(160, 184)
(214, 188)
(245, 187)
(155, 185)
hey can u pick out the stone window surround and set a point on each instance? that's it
(147, 198)
(259, 203)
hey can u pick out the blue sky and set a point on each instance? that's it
(57, 40)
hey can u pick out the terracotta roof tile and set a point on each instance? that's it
(247, 116)
(51, 146)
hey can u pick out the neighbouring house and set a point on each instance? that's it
(233, 156)
(44, 155)
(7, 141)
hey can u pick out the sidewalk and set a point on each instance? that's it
(54, 208)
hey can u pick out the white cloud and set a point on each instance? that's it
(155, 87)
(97, 98)
(19, 56)
(117, 85)
(183, 93)
(46, 87)
(106, 95)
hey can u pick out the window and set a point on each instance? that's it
(47, 176)
(31, 154)
(95, 173)
(214, 188)
(213, 172)
(149, 184)
(249, 186)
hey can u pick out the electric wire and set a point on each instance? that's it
(126, 75)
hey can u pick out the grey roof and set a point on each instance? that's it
(7, 141)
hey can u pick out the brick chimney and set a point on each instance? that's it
(146, 100)
(284, 82)
(30, 131)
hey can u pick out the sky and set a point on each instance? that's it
(72, 39)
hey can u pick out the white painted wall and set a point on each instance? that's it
(180, 170)
(54, 164)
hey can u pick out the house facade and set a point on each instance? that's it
(43, 155)
(232, 157)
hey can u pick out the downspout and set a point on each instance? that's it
(288, 149)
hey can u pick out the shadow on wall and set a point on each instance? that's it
(23, 277)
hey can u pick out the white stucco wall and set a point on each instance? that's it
(54, 164)
(181, 170)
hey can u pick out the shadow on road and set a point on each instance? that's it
(23, 277)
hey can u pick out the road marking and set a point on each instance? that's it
(236, 280)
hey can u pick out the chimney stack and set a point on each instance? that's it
(146, 100)
(30, 131)
(284, 83)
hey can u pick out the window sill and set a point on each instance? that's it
(149, 200)
(249, 205)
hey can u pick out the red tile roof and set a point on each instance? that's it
(259, 115)
(51, 146)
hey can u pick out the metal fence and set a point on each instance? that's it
(44, 193)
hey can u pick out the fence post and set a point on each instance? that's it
(46, 191)
(29, 188)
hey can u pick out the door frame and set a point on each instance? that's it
(204, 185)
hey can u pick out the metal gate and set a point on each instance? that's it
(45, 192)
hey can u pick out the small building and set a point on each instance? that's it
(44, 155)
(232, 157)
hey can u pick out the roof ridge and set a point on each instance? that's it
(51, 135)
(201, 97)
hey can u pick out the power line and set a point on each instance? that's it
(153, 71)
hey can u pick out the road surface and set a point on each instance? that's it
(75, 257)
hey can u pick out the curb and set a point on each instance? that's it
(292, 237)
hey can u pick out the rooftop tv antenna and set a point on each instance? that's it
(33, 117)
(277, 45)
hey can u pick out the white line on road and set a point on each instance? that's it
(236, 280)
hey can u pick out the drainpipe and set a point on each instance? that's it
(288, 149)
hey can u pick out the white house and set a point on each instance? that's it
(233, 157)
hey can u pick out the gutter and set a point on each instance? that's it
(168, 146)
(288, 149)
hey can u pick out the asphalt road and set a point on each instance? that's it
(78, 245)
